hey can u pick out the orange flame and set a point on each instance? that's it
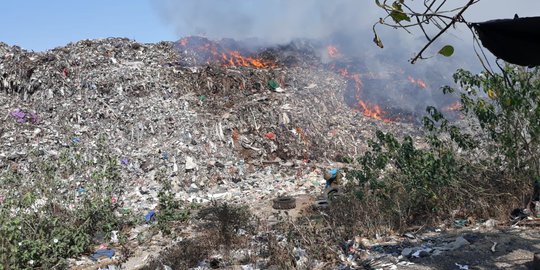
(184, 42)
(368, 110)
(456, 106)
(418, 82)
(228, 58)
(332, 51)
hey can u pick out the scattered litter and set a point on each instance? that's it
(114, 236)
(410, 235)
(270, 136)
(150, 216)
(124, 161)
(462, 266)
(100, 253)
(18, 115)
(493, 247)
(190, 163)
(425, 252)
(273, 84)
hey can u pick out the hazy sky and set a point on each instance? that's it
(40, 25)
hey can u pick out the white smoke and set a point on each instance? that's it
(277, 21)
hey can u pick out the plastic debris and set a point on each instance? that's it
(114, 236)
(18, 115)
(273, 84)
(100, 253)
(150, 216)
(270, 136)
(493, 247)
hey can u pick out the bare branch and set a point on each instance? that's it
(454, 20)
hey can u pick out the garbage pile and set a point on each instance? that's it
(229, 133)
(205, 122)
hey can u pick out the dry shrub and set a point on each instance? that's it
(224, 221)
(280, 255)
(183, 255)
(219, 231)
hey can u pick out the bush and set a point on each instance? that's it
(478, 166)
(45, 221)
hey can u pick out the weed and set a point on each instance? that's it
(225, 221)
(44, 221)
(170, 210)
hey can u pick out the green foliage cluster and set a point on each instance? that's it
(170, 209)
(495, 147)
(507, 110)
(393, 167)
(42, 227)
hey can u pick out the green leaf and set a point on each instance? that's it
(399, 16)
(397, 13)
(447, 51)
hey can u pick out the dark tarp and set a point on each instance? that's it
(516, 41)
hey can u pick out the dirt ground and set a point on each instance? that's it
(514, 249)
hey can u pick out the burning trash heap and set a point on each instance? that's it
(216, 120)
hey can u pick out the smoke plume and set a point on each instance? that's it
(346, 23)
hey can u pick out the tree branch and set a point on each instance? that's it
(454, 20)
